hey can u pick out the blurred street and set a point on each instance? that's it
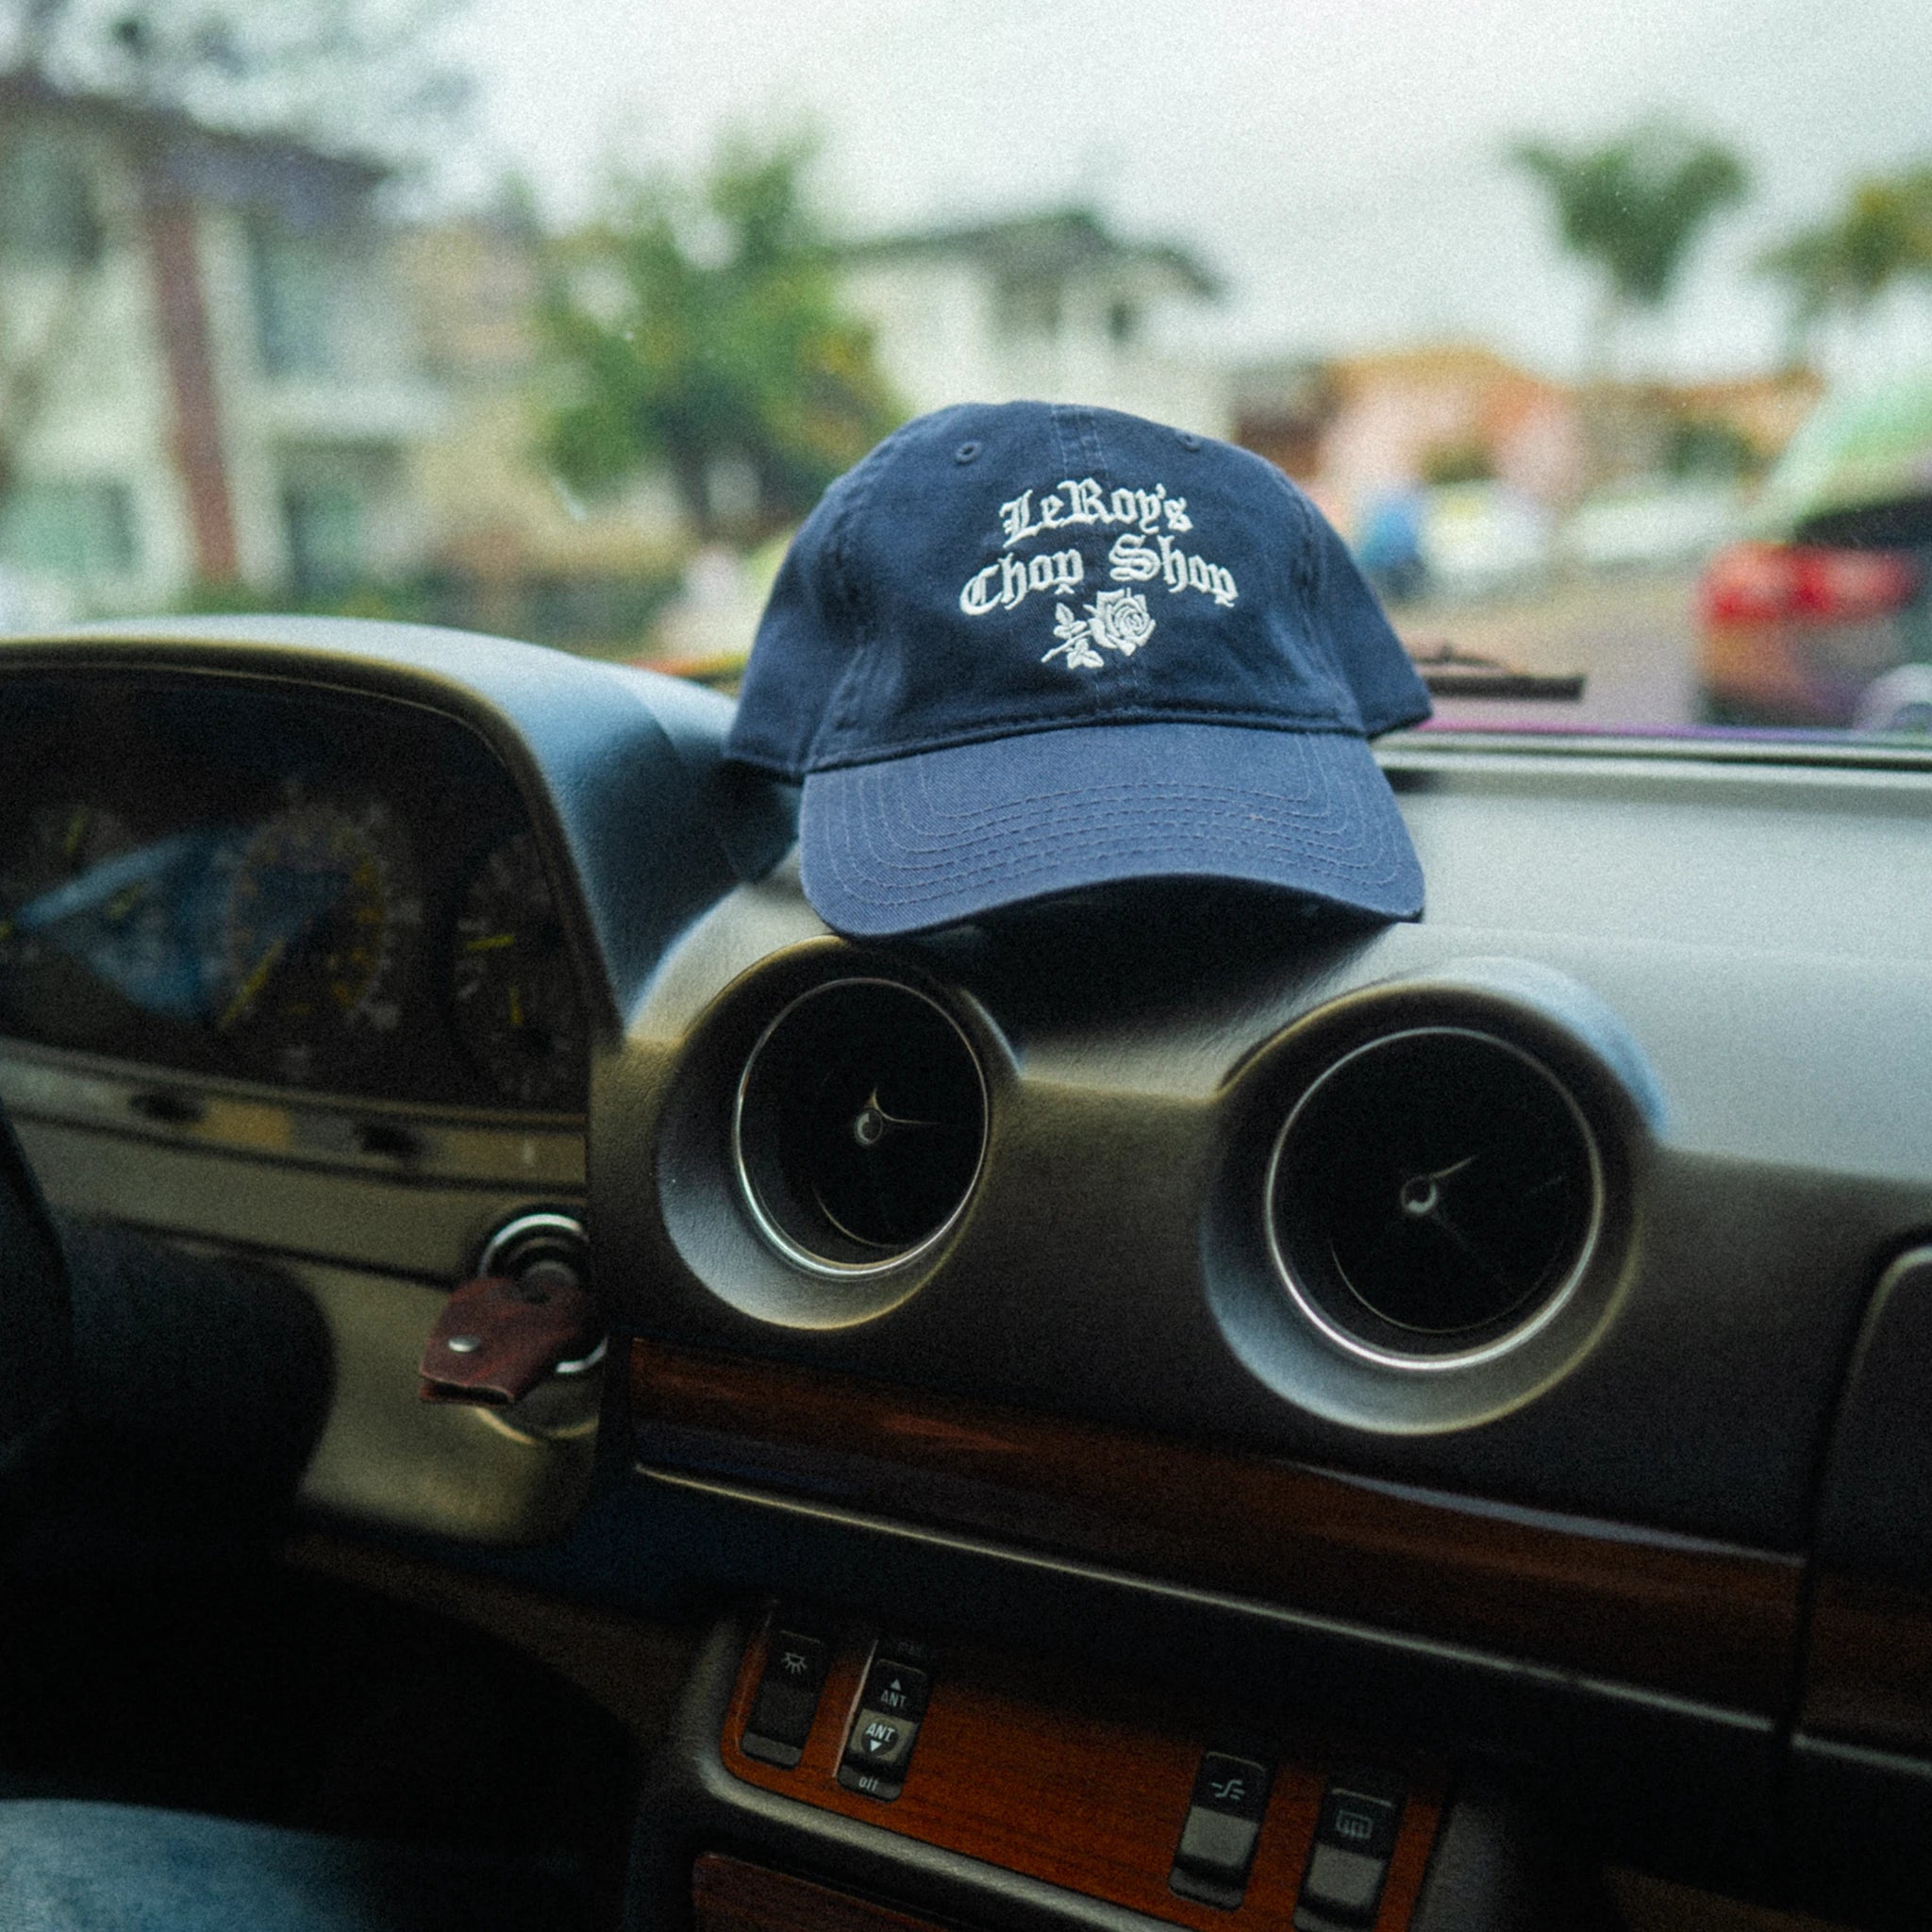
(1633, 632)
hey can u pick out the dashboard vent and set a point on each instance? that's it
(860, 1126)
(1433, 1197)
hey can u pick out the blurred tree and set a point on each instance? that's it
(1708, 448)
(1880, 237)
(699, 327)
(362, 75)
(1464, 461)
(1632, 207)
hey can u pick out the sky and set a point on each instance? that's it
(1338, 163)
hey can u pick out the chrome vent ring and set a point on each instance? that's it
(1433, 1198)
(858, 1127)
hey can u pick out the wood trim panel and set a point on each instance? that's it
(1084, 1785)
(1867, 1679)
(730, 1895)
(1702, 1621)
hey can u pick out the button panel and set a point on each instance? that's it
(1224, 1837)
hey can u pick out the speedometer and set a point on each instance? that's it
(323, 921)
(516, 1003)
(56, 902)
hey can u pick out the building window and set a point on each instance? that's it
(48, 202)
(327, 524)
(1029, 309)
(312, 290)
(294, 302)
(77, 530)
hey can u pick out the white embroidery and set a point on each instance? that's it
(1081, 500)
(1062, 569)
(1130, 561)
(1115, 621)
(1074, 645)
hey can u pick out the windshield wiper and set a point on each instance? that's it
(1451, 673)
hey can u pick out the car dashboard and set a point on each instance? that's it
(1398, 1358)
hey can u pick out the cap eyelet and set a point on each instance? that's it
(966, 452)
(1187, 439)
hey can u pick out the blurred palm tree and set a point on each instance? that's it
(1880, 238)
(698, 328)
(1633, 208)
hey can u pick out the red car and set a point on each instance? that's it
(1831, 627)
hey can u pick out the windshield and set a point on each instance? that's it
(1601, 332)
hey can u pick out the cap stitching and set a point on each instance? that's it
(1107, 697)
(1379, 863)
(1309, 565)
(1171, 711)
(1058, 416)
(1304, 833)
(838, 715)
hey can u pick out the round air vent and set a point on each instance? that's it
(859, 1126)
(1432, 1198)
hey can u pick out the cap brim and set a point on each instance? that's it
(911, 844)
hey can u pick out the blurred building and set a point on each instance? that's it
(508, 528)
(1052, 306)
(1356, 428)
(207, 376)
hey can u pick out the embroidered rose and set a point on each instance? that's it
(1075, 641)
(1118, 621)
(1115, 621)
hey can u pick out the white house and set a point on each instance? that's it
(1052, 306)
(208, 375)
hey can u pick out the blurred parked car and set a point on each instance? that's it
(1824, 618)
(1650, 525)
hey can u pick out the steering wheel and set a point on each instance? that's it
(35, 1312)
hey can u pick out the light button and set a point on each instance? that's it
(788, 1698)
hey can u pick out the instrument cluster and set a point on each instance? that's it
(280, 884)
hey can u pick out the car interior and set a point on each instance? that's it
(573, 1361)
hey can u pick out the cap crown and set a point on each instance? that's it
(997, 569)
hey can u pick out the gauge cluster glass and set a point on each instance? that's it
(301, 889)
(517, 1008)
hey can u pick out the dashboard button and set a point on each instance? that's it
(1354, 1837)
(1223, 1822)
(897, 1689)
(1356, 1821)
(788, 1699)
(1340, 1885)
(880, 1742)
(1237, 1786)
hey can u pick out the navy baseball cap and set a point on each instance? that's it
(1027, 649)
